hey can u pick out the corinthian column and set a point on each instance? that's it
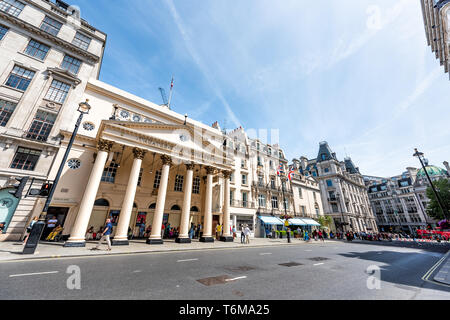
(78, 232)
(121, 237)
(226, 237)
(155, 236)
(185, 214)
(207, 228)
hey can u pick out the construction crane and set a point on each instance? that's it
(164, 97)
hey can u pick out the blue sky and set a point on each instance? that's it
(358, 74)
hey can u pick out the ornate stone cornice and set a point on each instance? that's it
(92, 58)
(166, 160)
(105, 145)
(66, 75)
(139, 153)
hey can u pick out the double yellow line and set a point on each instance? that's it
(433, 268)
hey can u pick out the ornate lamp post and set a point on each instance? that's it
(38, 227)
(441, 205)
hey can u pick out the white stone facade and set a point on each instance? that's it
(44, 70)
(343, 192)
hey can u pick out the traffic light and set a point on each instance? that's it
(18, 189)
(45, 189)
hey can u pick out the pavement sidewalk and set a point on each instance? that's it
(443, 275)
(12, 251)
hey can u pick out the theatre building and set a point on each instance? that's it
(141, 163)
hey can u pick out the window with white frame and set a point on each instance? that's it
(244, 179)
(71, 64)
(81, 41)
(157, 180)
(300, 194)
(274, 202)
(20, 78)
(37, 50)
(3, 31)
(42, 126)
(12, 7)
(179, 183)
(25, 159)
(58, 91)
(110, 172)
(6, 110)
(262, 200)
(196, 186)
(51, 26)
(244, 199)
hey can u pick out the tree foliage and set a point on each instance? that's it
(325, 221)
(442, 187)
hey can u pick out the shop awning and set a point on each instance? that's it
(270, 220)
(311, 222)
(297, 222)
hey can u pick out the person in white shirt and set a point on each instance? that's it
(247, 234)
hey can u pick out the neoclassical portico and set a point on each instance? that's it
(142, 141)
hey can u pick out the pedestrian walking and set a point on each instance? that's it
(242, 234)
(234, 232)
(191, 231)
(30, 227)
(105, 235)
(321, 236)
(247, 234)
(306, 238)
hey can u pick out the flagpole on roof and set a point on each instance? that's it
(170, 95)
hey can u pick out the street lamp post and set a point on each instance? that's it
(395, 197)
(288, 232)
(342, 214)
(38, 227)
(441, 205)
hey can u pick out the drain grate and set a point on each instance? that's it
(240, 269)
(290, 264)
(319, 259)
(214, 280)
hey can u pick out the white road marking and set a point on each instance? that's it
(308, 250)
(234, 279)
(187, 260)
(319, 264)
(32, 274)
(266, 253)
(137, 271)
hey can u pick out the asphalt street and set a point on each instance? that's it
(334, 270)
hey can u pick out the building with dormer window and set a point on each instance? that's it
(343, 192)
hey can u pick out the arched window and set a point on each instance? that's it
(101, 203)
(175, 208)
(194, 209)
(152, 206)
